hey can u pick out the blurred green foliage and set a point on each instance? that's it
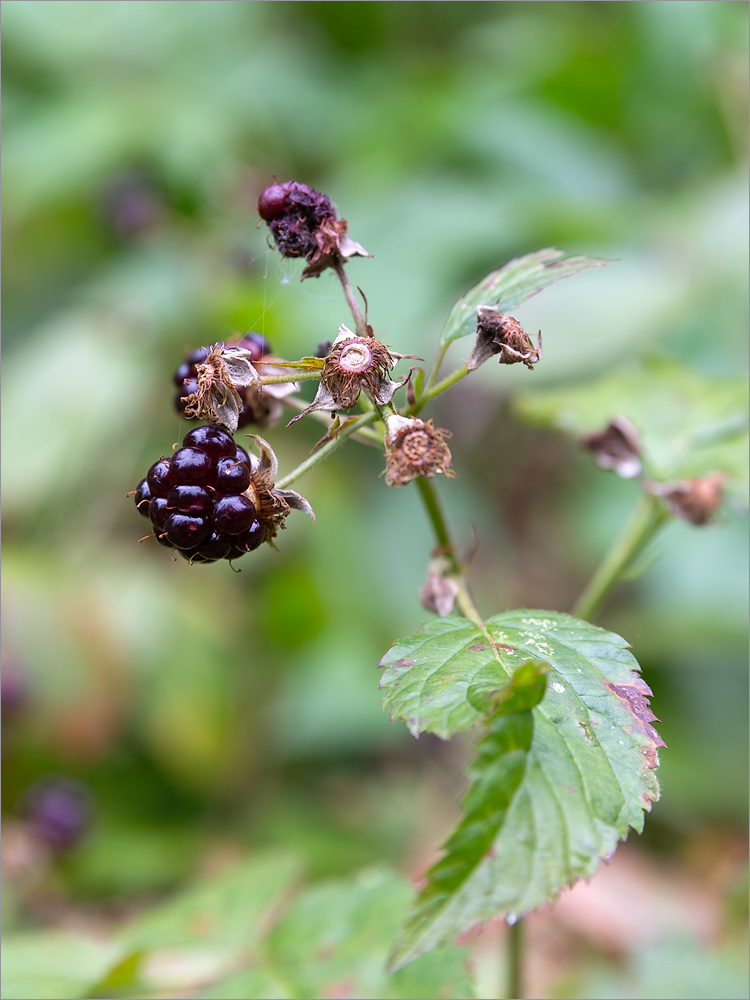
(209, 711)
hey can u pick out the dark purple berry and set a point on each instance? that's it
(233, 514)
(194, 555)
(256, 343)
(214, 547)
(191, 499)
(158, 511)
(161, 537)
(197, 357)
(185, 371)
(191, 465)
(232, 476)
(185, 531)
(58, 810)
(251, 538)
(159, 478)
(143, 497)
(242, 456)
(213, 440)
(272, 202)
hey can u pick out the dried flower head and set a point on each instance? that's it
(217, 399)
(353, 364)
(617, 447)
(303, 223)
(504, 336)
(694, 500)
(272, 504)
(438, 594)
(415, 448)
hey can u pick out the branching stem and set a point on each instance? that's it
(436, 389)
(325, 450)
(647, 520)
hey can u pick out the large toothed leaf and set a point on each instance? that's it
(690, 424)
(542, 815)
(511, 285)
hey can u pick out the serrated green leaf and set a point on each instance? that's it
(334, 941)
(511, 285)
(542, 816)
(42, 964)
(226, 911)
(690, 424)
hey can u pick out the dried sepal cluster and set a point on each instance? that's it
(303, 223)
(696, 500)
(354, 364)
(220, 376)
(272, 504)
(415, 448)
(618, 447)
(503, 336)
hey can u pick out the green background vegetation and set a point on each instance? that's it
(213, 714)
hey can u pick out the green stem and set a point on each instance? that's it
(437, 366)
(367, 435)
(293, 376)
(435, 390)
(359, 319)
(515, 960)
(434, 509)
(648, 518)
(325, 450)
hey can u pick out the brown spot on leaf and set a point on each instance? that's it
(635, 695)
(398, 664)
(478, 645)
(507, 649)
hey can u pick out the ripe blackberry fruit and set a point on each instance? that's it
(196, 500)
(186, 376)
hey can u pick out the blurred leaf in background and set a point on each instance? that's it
(209, 712)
